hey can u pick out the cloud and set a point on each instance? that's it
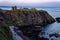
(28, 1)
(38, 1)
(25, 2)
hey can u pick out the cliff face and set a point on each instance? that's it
(29, 16)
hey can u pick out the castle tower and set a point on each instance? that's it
(14, 8)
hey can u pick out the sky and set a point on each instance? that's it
(29, 1)
(25, 2)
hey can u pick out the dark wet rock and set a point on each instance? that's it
(30, 30)
(1, 18)
(39, 38)
(54, 34)
(42, 33)
(42, 38)
(52, 39)
(31, 35)
(58, 19)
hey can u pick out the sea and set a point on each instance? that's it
(51, 28)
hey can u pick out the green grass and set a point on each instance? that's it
(5, 33)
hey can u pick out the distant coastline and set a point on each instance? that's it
(18, 7)
(27, 7)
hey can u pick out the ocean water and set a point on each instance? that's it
(54, 12)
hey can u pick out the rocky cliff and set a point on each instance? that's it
(29, 16)
(22, 18)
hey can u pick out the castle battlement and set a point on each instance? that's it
(14, 8)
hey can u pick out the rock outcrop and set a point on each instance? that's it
(58, 19)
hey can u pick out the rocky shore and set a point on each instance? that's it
(26, 20)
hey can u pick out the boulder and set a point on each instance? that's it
(58, 19)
